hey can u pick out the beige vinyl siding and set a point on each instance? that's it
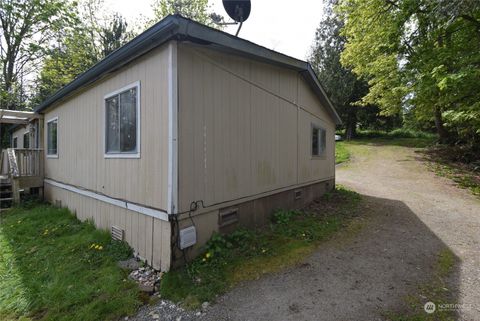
(19, 133)
(82, 163)
(242, 129)
(81, 134)
(148, 236)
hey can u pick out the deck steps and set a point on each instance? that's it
(6, 195)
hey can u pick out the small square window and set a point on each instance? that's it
(319, 140)
(52, 139)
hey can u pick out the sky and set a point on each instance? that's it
(285, 26)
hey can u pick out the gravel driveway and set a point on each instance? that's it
(408, 216)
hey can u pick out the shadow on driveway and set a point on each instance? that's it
(359, 274)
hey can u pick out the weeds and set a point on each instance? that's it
(434, 291)
(245, 254)
(54, 267)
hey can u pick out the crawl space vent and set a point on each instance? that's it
(298, 194)
(228, 216)
(117, 233)
(188, 237)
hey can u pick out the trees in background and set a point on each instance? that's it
(45, 44)
(198, 10)
(343, 87)
(28, 28)
(93, 36)
(421, 58)
(340, 84)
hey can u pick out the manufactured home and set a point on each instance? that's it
(185, 131)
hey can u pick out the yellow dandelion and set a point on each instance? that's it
(96, 247)
(100, 247)
(208, 255)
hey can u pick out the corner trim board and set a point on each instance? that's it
(172, 190)
(161, 215)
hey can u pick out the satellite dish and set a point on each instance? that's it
(238, 10)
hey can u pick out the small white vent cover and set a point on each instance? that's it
(117, 233)
(188, 237)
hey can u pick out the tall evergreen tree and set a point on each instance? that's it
(341, 85)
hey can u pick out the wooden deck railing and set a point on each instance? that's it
(25, 162)
(24, 169)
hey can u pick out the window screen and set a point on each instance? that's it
(319, 140)
(121, 122)
(52, 137)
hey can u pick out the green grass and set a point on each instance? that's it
(342, 154)
(396, 133)
(435, 291)
(246, 255)
(53, 267)
(397, 137)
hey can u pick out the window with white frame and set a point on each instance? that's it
(122, 109)
(319, 140)
(52, 137)
(15, 142)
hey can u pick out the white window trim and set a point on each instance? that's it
(318, 128)
(114, 93)
(46, 150)
(13, 139)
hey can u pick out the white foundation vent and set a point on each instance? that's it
(117, 233)
(188, 237)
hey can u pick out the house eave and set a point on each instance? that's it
(178, 28)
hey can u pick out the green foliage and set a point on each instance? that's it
(198, 10)
(342, 154)
(114, 34)
(53, 267)
(28, 27)
(283, 217)
(74, 55)
(396, 133)
(93, 36)
(419, 57)
(245, 255)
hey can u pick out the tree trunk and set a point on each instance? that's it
(351, 124)
(442, 132)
